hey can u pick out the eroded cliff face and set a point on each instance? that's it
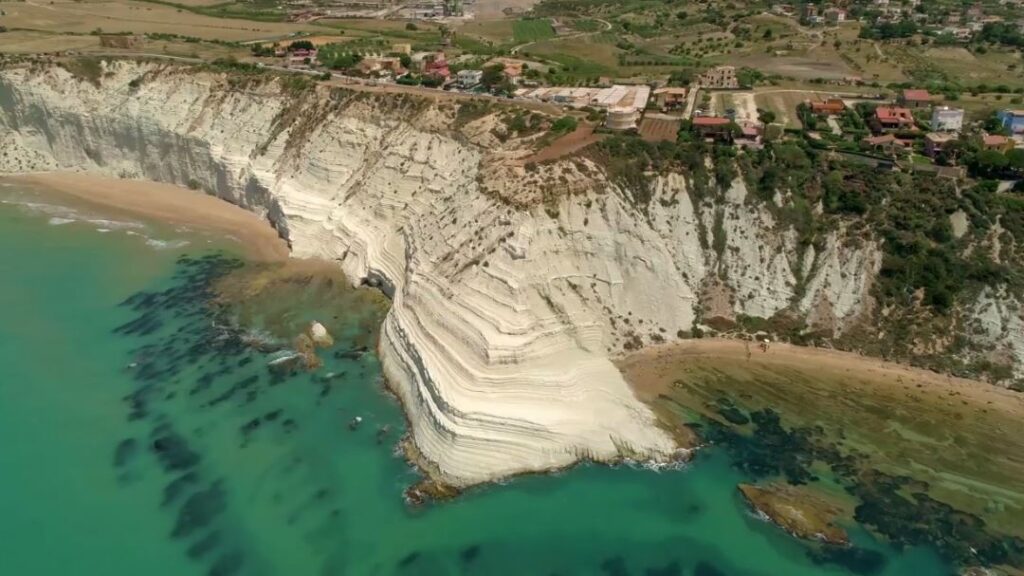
(505, 310)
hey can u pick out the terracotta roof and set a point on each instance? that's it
(892, 114)
(884, 139)
(671, 90)
(994, 140)
(710, 121)
(831, 105)
(916, 95)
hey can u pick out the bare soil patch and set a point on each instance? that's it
(575, 141)
(654, 129)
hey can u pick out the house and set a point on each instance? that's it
(719, 77)
(996, 142)
(915, 98)
(512, 68)
(670, 98)
(893, 118)
(829, 107)
(302, 56)
(935, 142)
(1012, 120)
(835, 16)
(946, 119)
(712, 127)
(381, 66)
(435, 64)
(401, 48)
(886, 143)
(469, 78)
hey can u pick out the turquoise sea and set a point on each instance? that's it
(141, 432)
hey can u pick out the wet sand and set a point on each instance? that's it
(166, 203)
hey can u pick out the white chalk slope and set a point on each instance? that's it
(504, 319)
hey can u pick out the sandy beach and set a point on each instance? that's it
(166, 203)
(649, 371)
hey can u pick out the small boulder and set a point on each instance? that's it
(320, 336)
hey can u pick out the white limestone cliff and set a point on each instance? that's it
(504, 317)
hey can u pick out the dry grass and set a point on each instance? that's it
(26, 42)
(139, 18)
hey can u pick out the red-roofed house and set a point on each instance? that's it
(916, 98)
(436, 65)
(829, 107)
(892, 118)
(886, 143)
(996, 142)
(712, 126)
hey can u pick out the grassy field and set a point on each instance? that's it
(495, 31)
(532, 30)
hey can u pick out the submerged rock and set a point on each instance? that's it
(799, 510)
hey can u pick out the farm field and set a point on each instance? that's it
(140, 18)
(30, 42)
(532, 30)
(656, 128)
(496, 31)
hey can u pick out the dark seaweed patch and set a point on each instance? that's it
(125, 451)
(178, 486)
(857, 560)
(470, 554)
(227, 564)
(920, 519)
(705, 569)
(896, 507)
(199, 510)
(772, 450)
(670, 569)
(615, 566)
(173, 452)
(204, 545)
(408, 560)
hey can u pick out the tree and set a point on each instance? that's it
(564, 124)
(1015, 159)
(990, 162)
(301, 45)
(494, 77)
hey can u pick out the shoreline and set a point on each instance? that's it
(801, 358)
(164, 203)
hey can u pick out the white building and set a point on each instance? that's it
(622, 118)
(469, 78)
(946, 119)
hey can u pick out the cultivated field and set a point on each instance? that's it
(138, 17)
(532, 30)
(658, 129)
